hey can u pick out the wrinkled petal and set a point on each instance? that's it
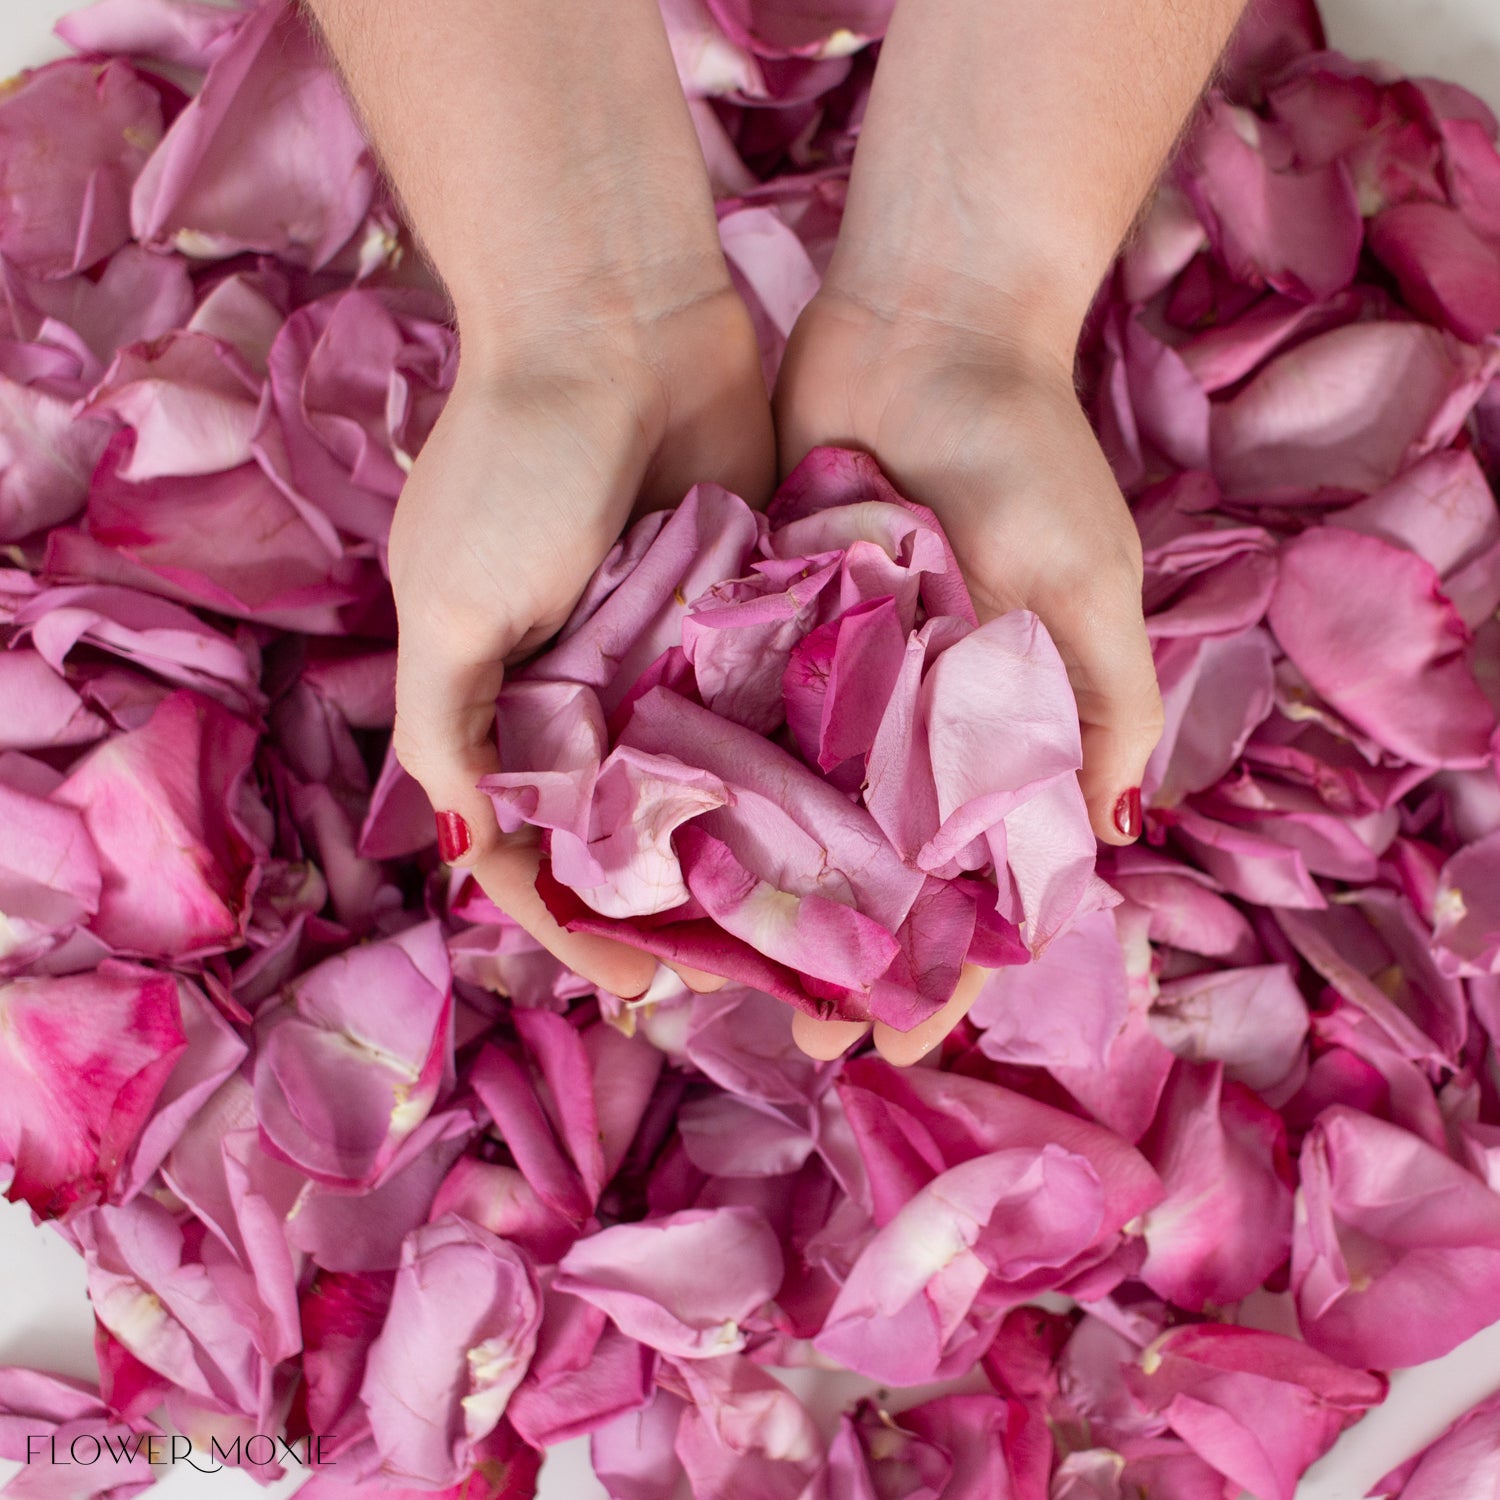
(1396, 1258)
(645, 1277)
(266, 156)
(1258, 1406)
(457, 1340)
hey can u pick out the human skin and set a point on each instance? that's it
(546, 158)
(1006, 149)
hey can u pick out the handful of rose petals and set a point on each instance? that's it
(349, 1159)
(783, 749)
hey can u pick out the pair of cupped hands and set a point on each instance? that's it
(547, 158)
(608, 401)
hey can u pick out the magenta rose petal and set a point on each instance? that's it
(1394, 1260)
(1447, 271)
(1299, 231)
(1226, 1390)
(85, 1060)
(176, 826)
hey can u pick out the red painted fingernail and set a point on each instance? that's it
(454, 838)
(1128, 813)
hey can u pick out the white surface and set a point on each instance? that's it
(50, 1325)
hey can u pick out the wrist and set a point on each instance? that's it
(655, 358)
(586, 321)
(896, 328)
(1018, 295)
(931, 237)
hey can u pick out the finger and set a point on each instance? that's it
(444, 738)
(825, 1040)
(507, 873)
(700, 981)
(1108, 656)
(904, 1047)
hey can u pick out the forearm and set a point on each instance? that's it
(542, 148)
(1008, 146)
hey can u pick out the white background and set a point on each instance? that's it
(44, 1314)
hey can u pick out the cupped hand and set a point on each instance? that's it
(986, 429)
(542, 455)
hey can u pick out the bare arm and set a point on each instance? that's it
(1009, 145)
(542, 147)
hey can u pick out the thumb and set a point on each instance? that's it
(1108, 657)
(444, 738)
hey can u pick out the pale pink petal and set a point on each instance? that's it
(1384, 394)
(1396, 1258)
(158, 1300)
(187, 32)
(1062, 1008)
(65, 194)
(745, 1433)
(1259, 1407)
(191, 400)
(901, 1317)
(1226, 1222)
(456, 1341)
(616, 632)
(266, 157)
(1252, 1020)
(351, 1063)
(1467, 907)
(645, 1277)
(1395, 668)
(45, 711)
(46, 457)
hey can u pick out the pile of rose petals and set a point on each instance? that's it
(819, 775)
(347, 1155)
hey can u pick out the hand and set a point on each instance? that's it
(987, 431)
(546, 158)
(999, 165)
(541, 456)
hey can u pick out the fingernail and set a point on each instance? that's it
(453, 836)
(1128, 813)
